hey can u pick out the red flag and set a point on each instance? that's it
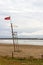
(7, 18)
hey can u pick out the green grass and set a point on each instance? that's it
(19, 61)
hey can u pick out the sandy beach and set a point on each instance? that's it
(24, 50)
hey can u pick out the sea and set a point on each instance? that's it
(25, 42)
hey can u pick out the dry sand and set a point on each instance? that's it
(24, 50)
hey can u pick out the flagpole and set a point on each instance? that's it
(12, 35)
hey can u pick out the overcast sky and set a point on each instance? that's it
(27, 15)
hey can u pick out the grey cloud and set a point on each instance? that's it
(28, 30)
(38, 4)
(19, 11)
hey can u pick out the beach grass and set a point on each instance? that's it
(18, 61)
(28, 55)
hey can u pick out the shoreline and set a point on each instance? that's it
(20, 44)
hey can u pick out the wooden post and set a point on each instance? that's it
(12, 55)
(17, 44)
